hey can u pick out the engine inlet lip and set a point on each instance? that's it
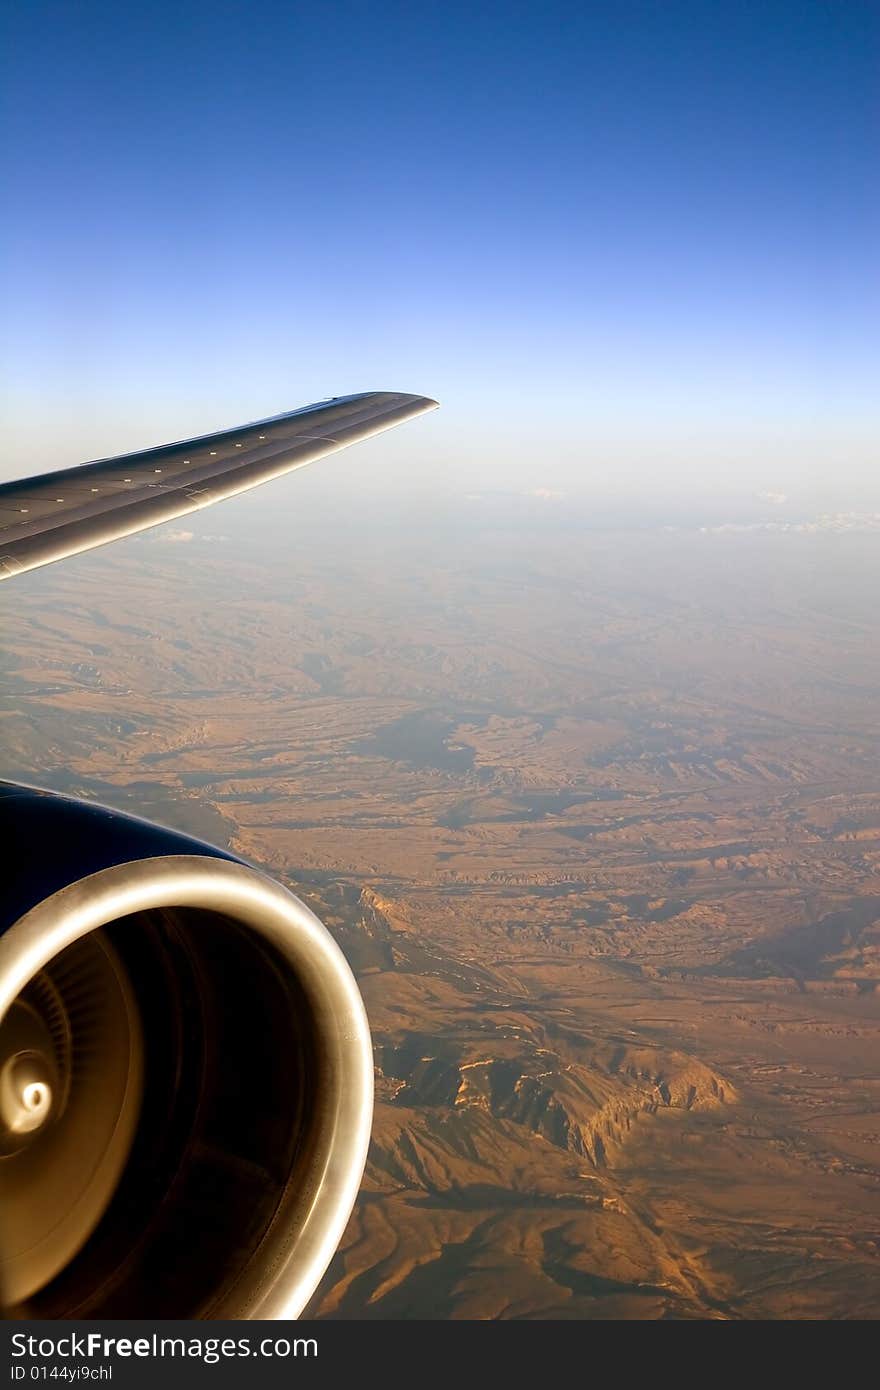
(295, 1251)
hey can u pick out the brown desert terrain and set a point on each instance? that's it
(595, 817)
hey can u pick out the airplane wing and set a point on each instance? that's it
(54, 515)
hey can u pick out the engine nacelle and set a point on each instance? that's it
(186, 1075)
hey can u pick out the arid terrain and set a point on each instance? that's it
(595, 817)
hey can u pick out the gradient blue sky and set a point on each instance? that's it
(631, 247)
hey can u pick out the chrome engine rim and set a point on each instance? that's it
(295, 1250)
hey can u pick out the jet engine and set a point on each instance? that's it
(186, 1075)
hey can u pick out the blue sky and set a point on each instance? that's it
(631, 247)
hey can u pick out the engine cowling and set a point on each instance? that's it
(186, 1075)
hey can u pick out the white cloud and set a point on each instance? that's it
(177, 537)
(546, 494)
(771, 495)
(827, 521)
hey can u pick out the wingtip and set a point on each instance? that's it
(416, 402)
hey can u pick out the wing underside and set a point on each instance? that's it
(54, 515)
